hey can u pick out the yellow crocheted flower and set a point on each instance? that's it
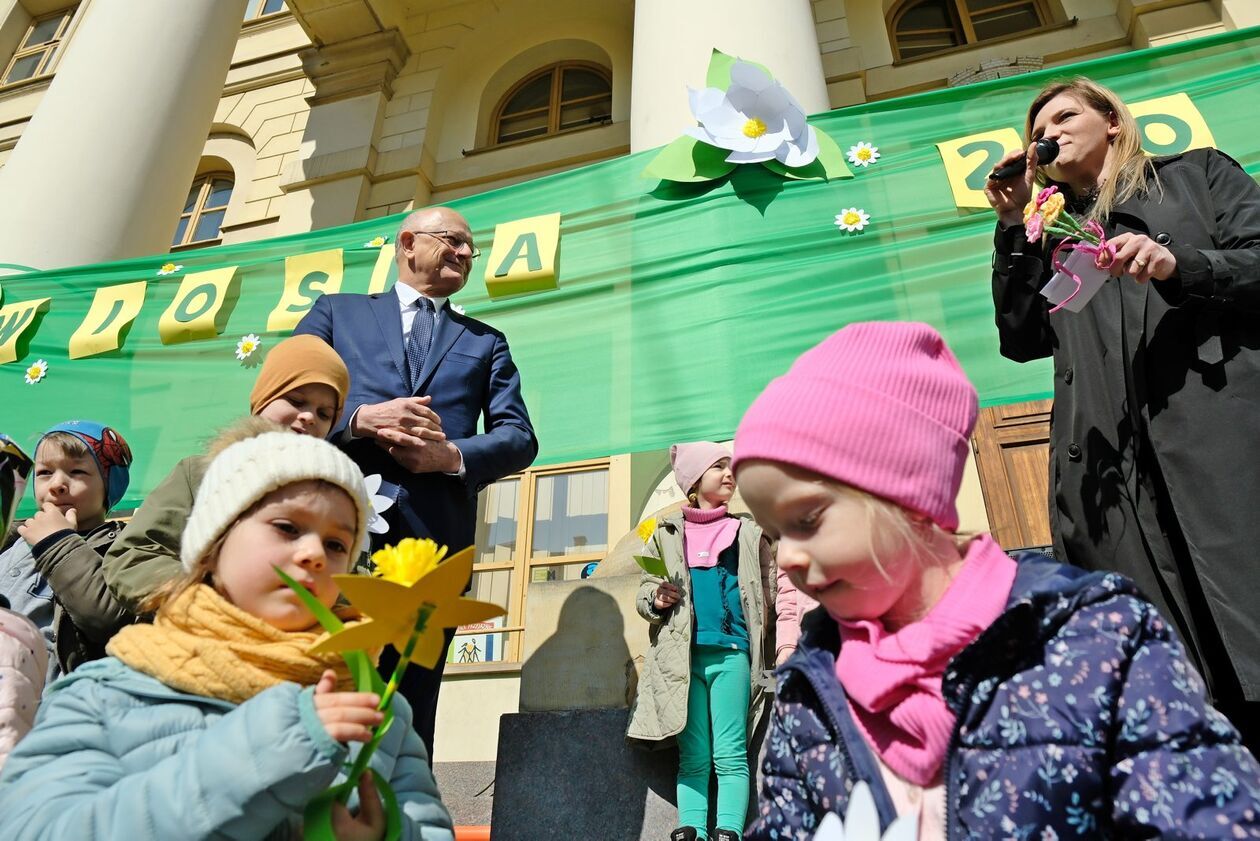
(1030, 209)
(1051, 208)
(407, 562)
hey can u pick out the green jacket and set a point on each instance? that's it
(146, 555)
(660, 707)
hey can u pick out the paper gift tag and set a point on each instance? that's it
(1061, 286)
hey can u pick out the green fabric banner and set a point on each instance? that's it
(676, 302)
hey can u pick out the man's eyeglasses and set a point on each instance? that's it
(453, 241)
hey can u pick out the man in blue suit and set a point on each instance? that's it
(421, 375)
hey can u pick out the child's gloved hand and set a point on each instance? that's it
(667, 595)
(347, 716)
(369, 824)
(48, 520)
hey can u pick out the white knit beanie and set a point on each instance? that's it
(250, 469)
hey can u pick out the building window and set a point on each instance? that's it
(262, 8)
(34, 56)
(203, 211)
(925, 27)
(555, 99)
(545, 524)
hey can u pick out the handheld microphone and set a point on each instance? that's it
(1047, 151)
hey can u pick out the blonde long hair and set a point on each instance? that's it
(1129, 168)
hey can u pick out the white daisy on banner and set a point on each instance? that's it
(247, 345)
(852, 219)
(36, 372)
(168, 269)
(457, 308)
(376, 242)
(380, 504)
(863, 154)
(861, 821)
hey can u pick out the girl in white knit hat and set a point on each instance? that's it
(214, 721)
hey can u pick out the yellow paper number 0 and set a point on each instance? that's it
(1168, 125)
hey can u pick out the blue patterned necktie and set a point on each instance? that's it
(419, 340)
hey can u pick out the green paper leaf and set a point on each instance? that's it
(317, 817)
(362, 669)
(688, 159)
(652, 565)
(828, 165)
(719, 73)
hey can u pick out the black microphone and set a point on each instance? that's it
(1047, 151)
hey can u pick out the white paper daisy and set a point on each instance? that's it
(36, 372)
(168, 268)
(376, 242)
(852, 219)
(457, 308)
(247, 345)
(863, 154)
(380, 504)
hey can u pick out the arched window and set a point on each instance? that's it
(924, 27)
(203, 211)
(558, 98)
(262, 8)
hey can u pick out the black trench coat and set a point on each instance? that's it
(1155, 433)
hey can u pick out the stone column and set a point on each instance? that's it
(329, 183)
(103, 169)
(673, 41)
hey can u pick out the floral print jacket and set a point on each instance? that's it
(1078, 716)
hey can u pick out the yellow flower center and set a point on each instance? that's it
(754, 127)
(247, 347)
(852, 218)
(407, 562)
(32, 371)
(168, 267)
(864, 154)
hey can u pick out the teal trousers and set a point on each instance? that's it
(715, 739)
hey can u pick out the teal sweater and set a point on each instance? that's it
(715, 595)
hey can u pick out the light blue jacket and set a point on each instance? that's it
(118, 755)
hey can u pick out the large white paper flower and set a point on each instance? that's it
(861, 821)
(380, 504)
(756, 118)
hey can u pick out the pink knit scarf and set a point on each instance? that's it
(893, 680)
(706, 534)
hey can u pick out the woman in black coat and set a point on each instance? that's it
(1155, 434)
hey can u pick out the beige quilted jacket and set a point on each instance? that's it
(660, 707)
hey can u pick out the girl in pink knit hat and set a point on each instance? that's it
(979, 695)
(708, 640)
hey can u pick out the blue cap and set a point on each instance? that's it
(108, 449)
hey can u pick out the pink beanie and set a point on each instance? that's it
(881, 406)
(691, 460)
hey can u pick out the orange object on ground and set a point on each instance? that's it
(472, 833)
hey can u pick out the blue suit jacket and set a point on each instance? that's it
(469, 373)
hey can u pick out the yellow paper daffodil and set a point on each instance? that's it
(393, 609)
(646, 529)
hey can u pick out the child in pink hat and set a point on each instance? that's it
(979, 695)
(708, 641)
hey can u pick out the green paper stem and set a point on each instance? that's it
(362, 669)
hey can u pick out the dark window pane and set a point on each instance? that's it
(915, 45)
(180, 229)
(585, 113)
(981, 5)
(536, 94)
(570, 514)
(931, 14)
(582, 83)
(192, 197)
(272, 6)
(220, 192)
(1006, 22)
(208, 225)
(23, 68)
(522, 127)
(44, 31)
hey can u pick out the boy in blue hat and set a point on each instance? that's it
(53, 574)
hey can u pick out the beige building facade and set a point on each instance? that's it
(274, 118)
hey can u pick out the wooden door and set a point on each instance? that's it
(1012, 446)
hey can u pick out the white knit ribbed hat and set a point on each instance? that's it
(250, 469)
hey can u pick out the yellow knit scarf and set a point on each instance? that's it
(203, 644)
